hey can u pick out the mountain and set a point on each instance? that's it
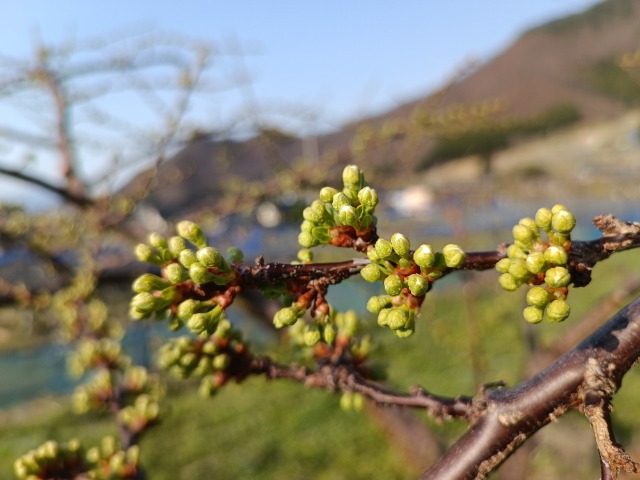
(572, 61)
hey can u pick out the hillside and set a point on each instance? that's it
(569, 61)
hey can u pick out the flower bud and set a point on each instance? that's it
(148, 282)
(329, 333)
(557, 277)
(208, 387)
(347, 215)
(400, 244)
(305, 255)
(372, 254)
(533, 314)
(311, 335)
(187, 308)
(351, 176)
(285, 317)
(418, 285)
(198, 322)
(176, 273)
(563, 221)
(558, 207)
(368, 197)
(339, 201)
(187, 257)
(523, 236)
(393, 285)
(556, 255)
(424, 256)
(235, 255)
(538, 297)
(453, 256)
(535, 262)
(327, 193)
(503, 265)
(514, 251)
(382, 317)
(145, 302)
(531, 224)
(378, 302)
(145, 253)
(371, 273)
(383, 248)
(558, 310)
(397, 318)
(199, 273)
(209, 257)
(507, 282)
(518, 270)
(306, 240)
(157, 240)
(176, 244)
(192, 232)
(221, 361)
(543, 219)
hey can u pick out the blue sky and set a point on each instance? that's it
(340, 59)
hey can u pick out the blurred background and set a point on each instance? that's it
(121, 120)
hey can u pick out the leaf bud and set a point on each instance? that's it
(538, 297)
(383, 248)
(556, 255)
(306, 240)
(176, 273)
(533, 314)
(321, 234)
(400, 244)
(148, 282)
(418, 285)
(351, 176)
(518, 270)
(543, 219)
(339, 201)
(393, 285)
(557, 277)
(192, 232)
(563, 221)
(453, 255)
(327, 194)
(371, 273)
(507, 282)
(187, 257)
(397, 318)
(558, 310)
(424, 256)
(503, 265)
(535, 262)
(376, 303)
(368, 197)
(285, 317)
(347, 215)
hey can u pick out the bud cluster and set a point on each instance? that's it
(91, 353)
(407, 276)
(337, 212)
(541, 263)
(212, 358)
(183, 269)
(70, 460)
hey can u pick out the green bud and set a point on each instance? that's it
(176, 244)
(339, 201)
(187, 308)
(209, 257)
(371, 273)
(347, 215)
(200, 274)
(535, 262)
(538, 297)
(418, 285)
(503, 265)
(393, 285)
(382, 317)
(378, 302)
(368, 197)
(351, 176)
(453, 255)
(221, 362)
(307, 226)
(556, 255)
(400, 244)
(235, 255)
(187, 257)
(321, 234)
(424, 256)
(557, 277)
(558, 238)
(507, 282)
(145, 253)
(306, 240)
(329, 333)
(327, 194)
(208, 387)
(397, 318)
(563, 221)
(523, 235)
(543, 219)
(145, 302)
(311, 335)
(157, 240)
(176, 273)
(305, 256)
(372, 255)
(514, 251)
(518, 270)
(285, 317)
(347, 322)
(531, 224)
(192, 232)
(198, 322)
(148, 283)
(558, 207)
(383, 248)
(558, 310)
(533, 314)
